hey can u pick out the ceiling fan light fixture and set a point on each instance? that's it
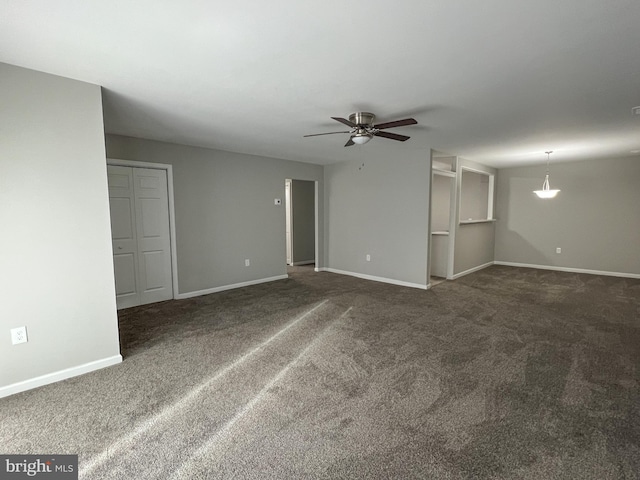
(361, 138)
(363, 128)
(546, 191)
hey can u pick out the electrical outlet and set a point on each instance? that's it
(368, 257)
(18, 335)
(247, 262)
(558, 250)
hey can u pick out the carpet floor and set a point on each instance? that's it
(505, 373)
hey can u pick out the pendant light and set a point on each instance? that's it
(546, 191)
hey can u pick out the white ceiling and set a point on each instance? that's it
(497, 81)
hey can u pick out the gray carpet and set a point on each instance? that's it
(505, 373)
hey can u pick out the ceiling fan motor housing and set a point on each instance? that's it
(362, 118)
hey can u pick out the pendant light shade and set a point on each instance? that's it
(546, 191)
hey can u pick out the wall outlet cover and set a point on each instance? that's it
(18, 335)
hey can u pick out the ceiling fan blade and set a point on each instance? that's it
(396, 123)
(345, 121)
(392, 136)
(349, 143)
(328, 133)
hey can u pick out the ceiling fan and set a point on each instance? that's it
(363, 129)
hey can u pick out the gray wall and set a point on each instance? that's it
(475, 242)
(304, 224)
(381, 209)
(474, 246)
(225, 212)
(595, 218)
(55, 251)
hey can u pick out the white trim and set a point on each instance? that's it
(471, 270)
(492, 189)
(453, 220)
(137, 164)
(444, 173)
(305, 262)
(490, 193)
(469, 222)
(58, 376)
(316, 222)
(375, 279)
(475, 170)
(288, 218)
(316, 213)
(182, 296)
(569, 269)
(172, 213)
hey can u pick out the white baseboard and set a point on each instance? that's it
(208, 291)
(471, 270)
(58, 376)
(570, 270)
(374, 278)
(304, 262)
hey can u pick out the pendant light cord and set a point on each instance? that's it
(548, 154)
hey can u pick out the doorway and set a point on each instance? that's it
(141, 234)
(442, 217)
(300, 220)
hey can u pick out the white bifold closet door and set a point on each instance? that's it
(140, 233)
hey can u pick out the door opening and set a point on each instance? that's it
(287, 206)
(300, 213)
(442, 218)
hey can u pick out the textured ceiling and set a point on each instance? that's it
(497, 82)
